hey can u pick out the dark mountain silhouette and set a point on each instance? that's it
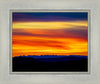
(49, 63)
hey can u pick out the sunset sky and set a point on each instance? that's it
(49, 33)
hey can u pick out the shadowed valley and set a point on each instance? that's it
(50, 63)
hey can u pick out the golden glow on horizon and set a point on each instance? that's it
(64, 46)
(48, 38)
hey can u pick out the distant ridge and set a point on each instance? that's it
(50, 63)
(54, 58)
(51, 56)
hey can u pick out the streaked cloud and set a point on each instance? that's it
(60, 35)
(49, 25)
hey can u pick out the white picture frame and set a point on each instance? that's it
(37, 78)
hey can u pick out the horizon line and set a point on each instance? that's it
(47, 55)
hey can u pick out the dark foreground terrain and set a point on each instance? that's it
(50, 64)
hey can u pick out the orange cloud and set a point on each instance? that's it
(42, 38)
(37, 45)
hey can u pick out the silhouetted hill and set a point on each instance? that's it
(50, 63)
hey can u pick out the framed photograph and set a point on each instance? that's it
(49, 42)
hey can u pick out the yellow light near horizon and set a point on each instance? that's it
(40, 38)
(75, 46)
